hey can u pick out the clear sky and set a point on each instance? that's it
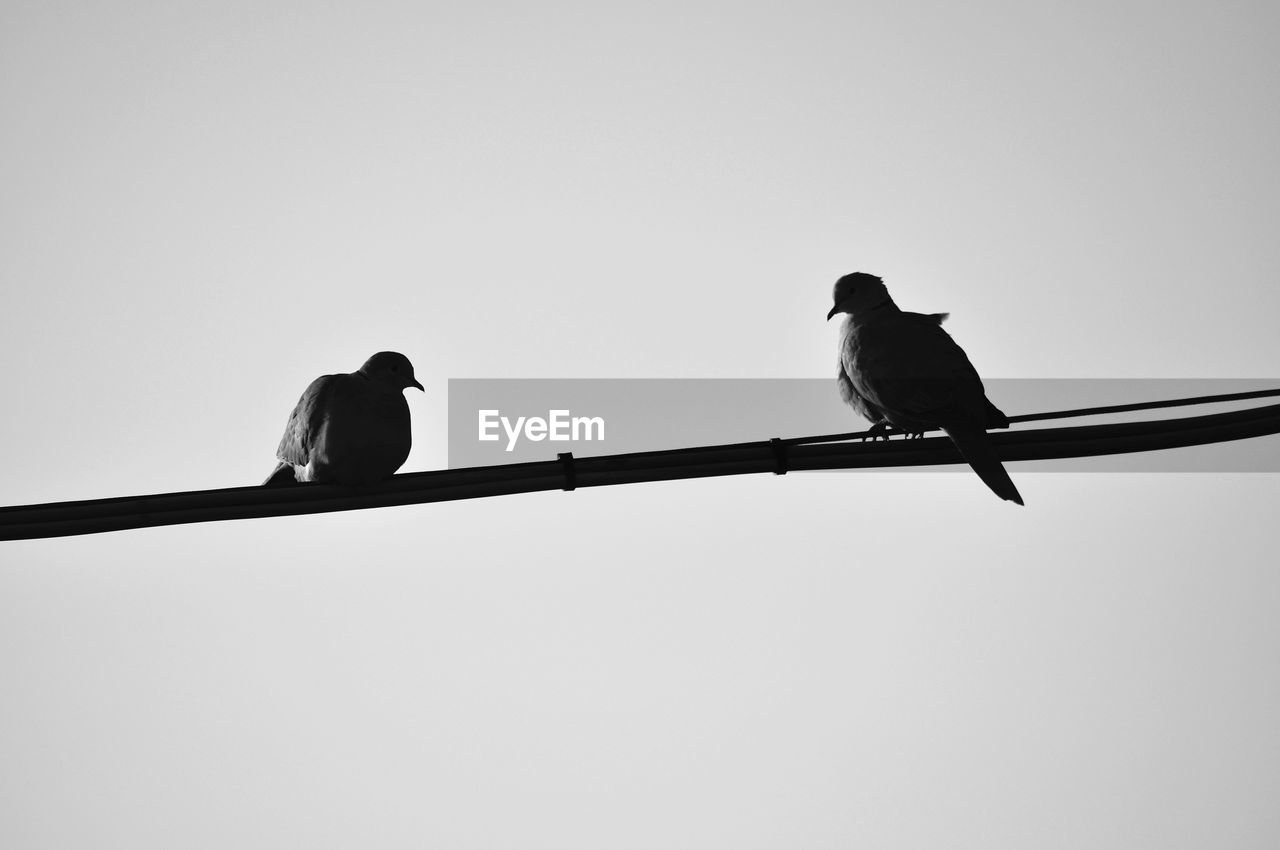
(205, 205)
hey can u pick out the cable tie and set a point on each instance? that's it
(570, 474)
(779, 456)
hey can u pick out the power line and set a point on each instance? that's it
(1078, 412)
(779, 456)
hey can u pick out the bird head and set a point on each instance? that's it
(856, 293)
(390, 368)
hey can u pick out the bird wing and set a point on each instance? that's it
(995, 416)
(932, 318)
(912, 369)
(303, 430)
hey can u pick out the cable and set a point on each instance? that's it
(61, 519)
(1066, 414)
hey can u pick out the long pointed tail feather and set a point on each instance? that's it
(976, 449)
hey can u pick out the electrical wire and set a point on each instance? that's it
(778, 456)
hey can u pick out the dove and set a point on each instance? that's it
(902, 369)
(349, 428)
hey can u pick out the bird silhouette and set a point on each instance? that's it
(349, 428)
(903, 370)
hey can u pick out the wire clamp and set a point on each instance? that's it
(779, 456)
(570, 474)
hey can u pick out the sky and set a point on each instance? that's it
(206, 205)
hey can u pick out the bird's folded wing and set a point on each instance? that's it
(305, 421)
(922, 372)
(930, 318)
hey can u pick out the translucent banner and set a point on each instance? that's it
(496, 421)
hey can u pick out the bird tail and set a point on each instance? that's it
(977, 450)
(281, 476)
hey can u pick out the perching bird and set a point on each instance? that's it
(902, 369)
(349, 429)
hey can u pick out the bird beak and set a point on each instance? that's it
(418, 385)
(834, 310)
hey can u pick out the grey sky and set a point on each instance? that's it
(203, 206)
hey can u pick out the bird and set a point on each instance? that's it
(903, 370)
(349, 428)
